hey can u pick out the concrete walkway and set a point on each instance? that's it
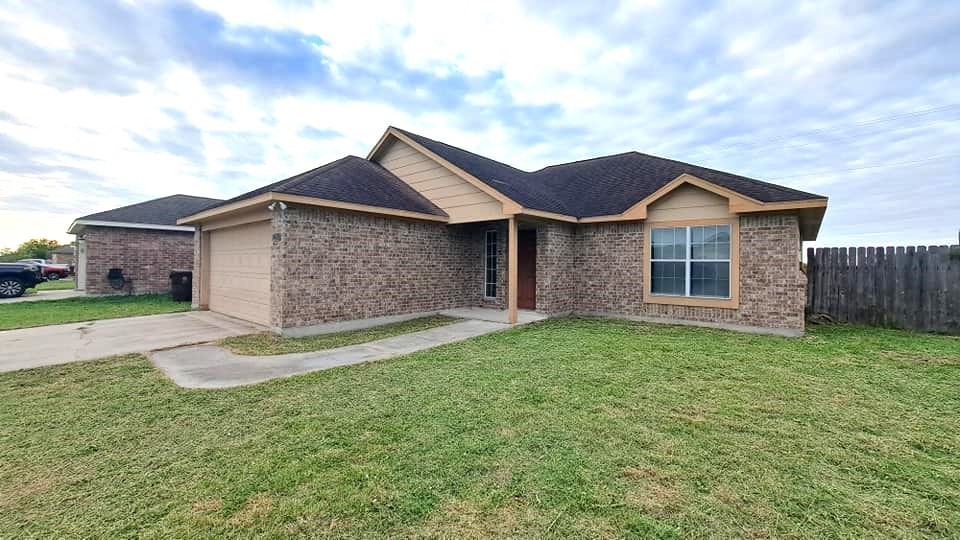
(524, 316)
(40, 296)
(210, 366)
(63, 343)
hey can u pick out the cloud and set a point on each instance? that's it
(116, 102)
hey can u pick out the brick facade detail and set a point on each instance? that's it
(557, 276)
(331, 265)
(146, 257)
(610, 263)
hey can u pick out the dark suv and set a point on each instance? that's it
(15, 278)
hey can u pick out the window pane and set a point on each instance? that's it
(709, 251)
(669, 243)
(723, 233)
(696, 235)
(668, 278)
(490, 264)
(710, 242)
(723, 250)
(710, 279)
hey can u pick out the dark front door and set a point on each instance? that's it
(527, 269)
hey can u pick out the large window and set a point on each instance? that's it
(490, 265)
(691, 261)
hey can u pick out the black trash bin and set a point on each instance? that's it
(181, 285)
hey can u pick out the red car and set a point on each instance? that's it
(51, 271)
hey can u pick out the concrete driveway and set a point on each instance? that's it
(74, 342)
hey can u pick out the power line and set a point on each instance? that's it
(879, 120)
(880, 166)
(835, 139)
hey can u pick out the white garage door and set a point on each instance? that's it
(240, 272)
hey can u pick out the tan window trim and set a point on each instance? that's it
(724, 303)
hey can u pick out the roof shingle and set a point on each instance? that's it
(599, 186)
(594, 187)
(350, 179)
(162, 211)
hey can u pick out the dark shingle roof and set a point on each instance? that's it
(163, 211)
(350, 179)
(599, 186)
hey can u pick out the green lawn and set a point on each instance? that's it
(55, 285)
(40, 313)
(267, 343)
(566, 428)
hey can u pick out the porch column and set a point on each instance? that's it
(512, 270)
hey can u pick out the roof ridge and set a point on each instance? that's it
(574, 162)
(779, 187)
(191, 196)
(148, 201)
(531, 178)
(406, 132)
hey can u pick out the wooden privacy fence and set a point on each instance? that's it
(914, 287)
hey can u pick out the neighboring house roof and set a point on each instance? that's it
(161, 213)
(599, 186)
(350, 179)
(63, 250)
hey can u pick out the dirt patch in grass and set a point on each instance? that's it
(256, 507)
(205, 506)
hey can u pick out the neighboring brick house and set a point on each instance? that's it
(64, 255)
(420, 226)
(142, 240)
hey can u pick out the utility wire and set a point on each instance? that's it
(880, 166)
(825, 130)
(837, 139)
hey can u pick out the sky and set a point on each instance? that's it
(104, 104)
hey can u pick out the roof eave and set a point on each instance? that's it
(79, 224)
(269, 197)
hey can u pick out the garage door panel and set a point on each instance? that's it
(240, 272)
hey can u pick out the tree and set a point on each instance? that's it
(37, 248)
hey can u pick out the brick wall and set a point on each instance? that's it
(332, 265)
(610, 263)
(337, 266)
(145, 256)
(557, 276)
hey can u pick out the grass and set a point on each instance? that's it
(267, 344)
(56, 285)
(566, 428)
(41, 313)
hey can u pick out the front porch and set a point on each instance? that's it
(525, 269)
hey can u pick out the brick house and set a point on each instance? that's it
(420, 226)
(64, 255)
(142, 240)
